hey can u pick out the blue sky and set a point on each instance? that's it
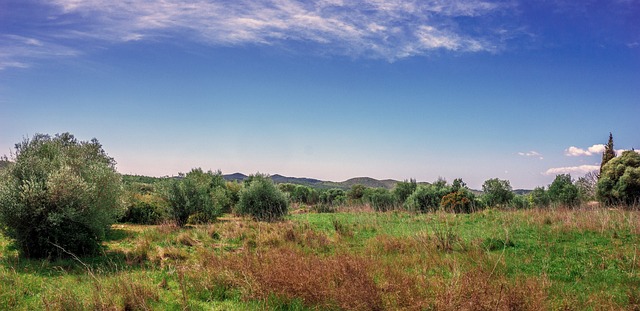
(330, 89)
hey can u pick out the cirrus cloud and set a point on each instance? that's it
(371, 28)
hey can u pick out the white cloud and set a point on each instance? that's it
(576, 152)
(597, 149)
(532, 153)
(386, 29)
(574, 170)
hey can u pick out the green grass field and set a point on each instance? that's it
(585, 259)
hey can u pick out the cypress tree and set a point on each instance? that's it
(609, 153)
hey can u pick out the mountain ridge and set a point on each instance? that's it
(323, 184)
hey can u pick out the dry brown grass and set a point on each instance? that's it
(478, 289)
(586, 219)
(341, 281)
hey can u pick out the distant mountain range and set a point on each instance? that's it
(321, 184)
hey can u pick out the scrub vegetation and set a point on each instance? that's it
(198, 242)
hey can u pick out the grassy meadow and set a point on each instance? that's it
(581, 259)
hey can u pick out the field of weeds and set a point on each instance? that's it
(584, 259)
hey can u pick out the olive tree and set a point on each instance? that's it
(262, 200)
(497, 192)
(200, 195)
(59, 197)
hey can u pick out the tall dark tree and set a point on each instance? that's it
(609, 153)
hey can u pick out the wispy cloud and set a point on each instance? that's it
(19, 51)
(574, 170)
(372, 28)
(576, 152)
(531, 154)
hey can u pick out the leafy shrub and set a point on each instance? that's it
(539, 197)
(356, 193)
(333, 197)
(519, 202)
(60, 196)
(303, 194)
(197, 192)
(233, 189)
(148, 209)
(427, 198)
(461, 201)
(262, 200)
(404, 189)
(620, 180)
(380, 199)
(562, 191)
(324, 208)
(497, 192)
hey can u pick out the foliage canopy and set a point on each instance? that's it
(60, 196)
(262, 200)
(620, 180)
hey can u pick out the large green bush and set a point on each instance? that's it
(60, 196)
(262, 200)
(404, 189)
(333, 197)
(539, 197)
(380, 199)
(198, 194)
(563, 192)
(497, 192)
(619, 181)
(427, 198)
(459, 201)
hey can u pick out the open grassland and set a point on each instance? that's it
(492, 260)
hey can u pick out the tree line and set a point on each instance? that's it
(59, 195)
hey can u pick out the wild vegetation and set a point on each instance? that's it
(199, 242)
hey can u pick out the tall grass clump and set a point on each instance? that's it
(59, 197)
(262, 200)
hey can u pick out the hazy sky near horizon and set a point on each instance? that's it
(329, 89)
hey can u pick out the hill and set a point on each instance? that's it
(365, 181)
(321, 184)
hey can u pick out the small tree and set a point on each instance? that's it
(404, 189)
(539, 197)
(60, 196)
(262, 200)
(619, 181)
(427, 198)
(562, 191)
(497, 192)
